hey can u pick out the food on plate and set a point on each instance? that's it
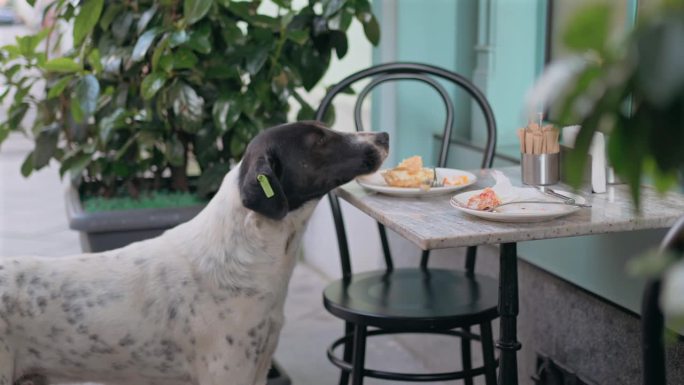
(457, 180)
(485, 200)
(409, 173)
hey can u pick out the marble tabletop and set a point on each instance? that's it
(431, 223)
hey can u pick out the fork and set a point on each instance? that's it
(435, 182)
(551, 192)
(567, 203)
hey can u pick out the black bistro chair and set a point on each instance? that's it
(652, 321)
(412, 300)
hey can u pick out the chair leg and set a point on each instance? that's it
(347, 354)
(359, 354)
(466, 357)
(488, 352)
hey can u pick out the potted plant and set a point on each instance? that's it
(162, 96)
(632, 91)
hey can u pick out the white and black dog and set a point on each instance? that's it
(202, 303)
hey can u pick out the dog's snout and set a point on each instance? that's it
(382, 139)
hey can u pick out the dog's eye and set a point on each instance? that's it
(321, 141)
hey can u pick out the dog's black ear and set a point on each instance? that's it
(260, 188)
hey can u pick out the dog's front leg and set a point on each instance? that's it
(239, 360)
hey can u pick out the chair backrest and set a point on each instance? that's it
(652, 320)
(429, 75)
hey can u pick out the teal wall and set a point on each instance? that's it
(439, 32)
(503, 61)
(517, 55)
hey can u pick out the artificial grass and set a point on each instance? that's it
(153, 200)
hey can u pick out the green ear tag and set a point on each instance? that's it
(265, 185)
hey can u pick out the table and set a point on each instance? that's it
(431, 223)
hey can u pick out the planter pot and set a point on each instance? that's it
(107, 230)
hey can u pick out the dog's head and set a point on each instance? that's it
(289, 165)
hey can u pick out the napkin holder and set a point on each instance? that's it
(595, 172)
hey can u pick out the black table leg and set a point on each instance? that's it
(508, 310)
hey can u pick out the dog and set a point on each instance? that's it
(200, 304)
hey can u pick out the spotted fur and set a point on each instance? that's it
(200, 304)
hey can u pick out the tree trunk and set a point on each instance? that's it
(179, 178)
(179, 174)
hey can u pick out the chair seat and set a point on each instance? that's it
(413, 298)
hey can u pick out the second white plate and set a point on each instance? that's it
(523, 212)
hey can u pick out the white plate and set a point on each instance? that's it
(523, 212)
(375, 182)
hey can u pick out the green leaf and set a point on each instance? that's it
(95, 60)
(339, 41)
(577, 157)
(143, 44)
(341, 21)
(75, 164)
(11, 71)
(27, 165)
(151, 84)
(256, 60)
(194, 10)
(175, 152)
(124, 149)
(184, 59)
(62, 64)
(205, 147)
(210, 180)
(113, 9)
(159, 52)
(4, 132)
(226, 112)
(298, 36)
(76, 112)
(86, 92)
(200, 39)
(12, 51)
(16, 115)
(237, 146)
(177, 38)
(86, 19)
(146, 17)
(370, 27)
(312, 66)
(58, 87)
(652, 264)
(306, 112)
(188, 106)
(661, 60)
(46, 146)
(329, 117)
(121, 26)
(112, 63)
(330, 7)
(28, 44)
(588, 29)
(115, 120)
(165, 63)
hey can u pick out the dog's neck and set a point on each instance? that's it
(232, 244)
